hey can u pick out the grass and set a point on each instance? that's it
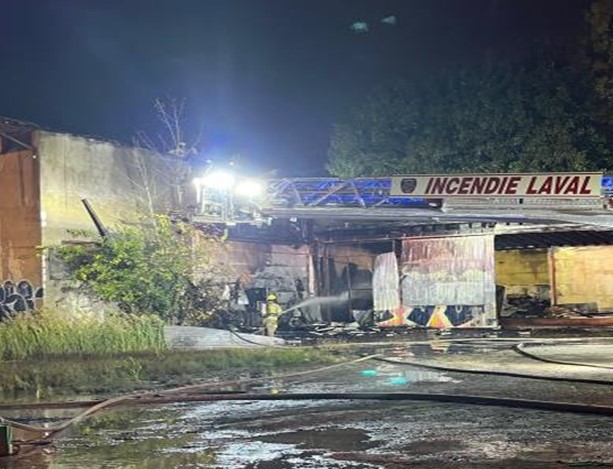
(47, 333)
(128, 372)
(46, 353)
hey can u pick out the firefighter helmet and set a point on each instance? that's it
(271, 297)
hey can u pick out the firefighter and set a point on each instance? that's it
(271, 317)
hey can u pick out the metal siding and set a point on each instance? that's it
(385, 283)
(449, 282)
(20, 226)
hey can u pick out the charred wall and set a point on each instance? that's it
(524, 274)
(282, 269)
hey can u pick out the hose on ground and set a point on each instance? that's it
(49, 432)
(492, 372)
(387, 396)
(170, 394)
(404, 396)
(253, 342)
(521, 349)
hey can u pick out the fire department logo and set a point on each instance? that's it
(408, 185)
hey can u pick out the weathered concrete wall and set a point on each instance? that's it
(111, 177)
(523, 272)
(20, 233)
(583, 275)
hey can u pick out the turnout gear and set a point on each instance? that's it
(271, 316)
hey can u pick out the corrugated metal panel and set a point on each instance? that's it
(20, 226)
(561, 238)
(386, 283)
(449, 282)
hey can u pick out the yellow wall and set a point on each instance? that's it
(584, 275)
(522, 268)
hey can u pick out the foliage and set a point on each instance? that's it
(600, 47)
(159, 268)
(46, 334)
(531, 118)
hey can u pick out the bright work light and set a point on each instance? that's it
(249, 188)
(219, 180)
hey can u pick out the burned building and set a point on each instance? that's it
(407, 251)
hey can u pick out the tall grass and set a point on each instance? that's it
(125, 372)
(49, 333)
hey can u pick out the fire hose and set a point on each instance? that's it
(521, 349)
(46, 434)
(510, 374)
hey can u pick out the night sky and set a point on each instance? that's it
(265, 79)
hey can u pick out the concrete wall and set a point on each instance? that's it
(583, 275)
(111, 177)
(523, 272)
(20, 233)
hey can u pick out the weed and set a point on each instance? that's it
(127, 372)
(48, 333)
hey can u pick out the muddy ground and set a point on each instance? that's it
(365, 434)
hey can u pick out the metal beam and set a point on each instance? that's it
(14, 140)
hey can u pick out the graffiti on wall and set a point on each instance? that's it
(19, 297)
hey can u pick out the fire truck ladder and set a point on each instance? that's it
(369, 198)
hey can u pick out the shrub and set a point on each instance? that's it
(160, 267)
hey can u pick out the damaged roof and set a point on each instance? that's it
(553, 238)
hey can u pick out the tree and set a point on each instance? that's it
(600, 46)
(598, 57)
(169, 269)
(163, 162)
(529, 118)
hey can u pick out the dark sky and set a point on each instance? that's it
(264, 78)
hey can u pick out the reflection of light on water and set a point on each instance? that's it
(238, 454)
(391, 375)
(398, 381)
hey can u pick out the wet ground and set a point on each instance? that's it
(366, 434)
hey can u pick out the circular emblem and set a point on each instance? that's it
(408, 185)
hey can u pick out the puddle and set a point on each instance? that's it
(433, 446)
(333, 439)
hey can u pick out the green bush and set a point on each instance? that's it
(47, 333)
(160, 267)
